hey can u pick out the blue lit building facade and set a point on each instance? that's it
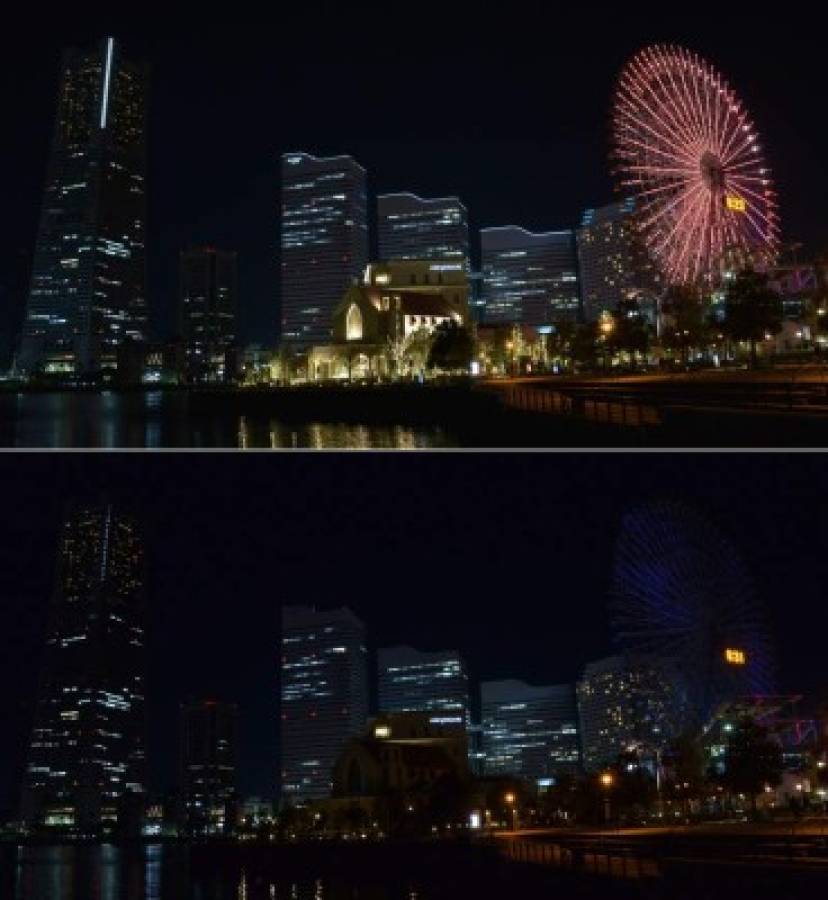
(86, 755)
(415, 681)
(324, 696)
(324, 242)
(529, 731)
(629, 704)
(87, 292)
(411, 227)
(529, 278)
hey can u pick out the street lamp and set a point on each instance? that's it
(607, 781)
(510, 801)
(606, 326)
(510, 346)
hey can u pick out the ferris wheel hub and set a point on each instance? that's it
(713, 172)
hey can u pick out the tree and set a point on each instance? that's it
(685, 307)
(752, 310)
(816, 305)
(752, 760)
(448, 801)
(452, 347)
(417, 348)
(560, 340)
(630, 333)
(635, 788)
(583, 347)
(685, 761)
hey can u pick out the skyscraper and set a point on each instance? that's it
(324, 240)
(614, 264)
(413, 681)
(324, 696)
(528, 278)
(626, 704)
(208, 309)
(208, 764)
(87, 290)
(529, 731)
(411, 227)
(86, 756)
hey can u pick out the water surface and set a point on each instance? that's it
(171, 419)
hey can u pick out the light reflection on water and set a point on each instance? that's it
(155, 872)
(155, 419)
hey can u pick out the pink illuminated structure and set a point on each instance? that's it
(687, 152)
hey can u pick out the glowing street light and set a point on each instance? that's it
(607, 780)
(510, 799)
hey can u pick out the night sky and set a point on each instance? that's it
(506, 557)
(506, 106)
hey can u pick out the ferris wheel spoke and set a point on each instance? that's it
(722, 105)
(760, 198)
(706, 235)
(687, 102)
(750, 163)
(732, 123)
(657, 189)
(669, 98)
(683, 198)
(738, 134)
(761, 230)
(662, 106)
(667, 144)
(693, 214)
(667, 154)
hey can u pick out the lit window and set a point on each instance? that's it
(353, 324)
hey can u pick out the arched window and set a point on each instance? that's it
(353, 324)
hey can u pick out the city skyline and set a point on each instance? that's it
(521, 168)
(549, 641)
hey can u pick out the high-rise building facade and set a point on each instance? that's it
(86, 755)
(415, 681)
(628, 704)
(208, 280)
(324, 696)
(209, 737)
(411, 227)
(324, 223)
(87, 291)
(614, 263)
(529, 731)
(529, 278)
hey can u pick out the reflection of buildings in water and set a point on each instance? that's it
(159, 419)
(152, 416)
(324, 436)
(152, 871)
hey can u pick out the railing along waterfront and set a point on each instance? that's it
(596, 407)
(588, 857)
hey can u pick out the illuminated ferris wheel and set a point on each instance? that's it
(687, 152)
(680, 591)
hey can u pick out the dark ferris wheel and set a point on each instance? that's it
(681, 592)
